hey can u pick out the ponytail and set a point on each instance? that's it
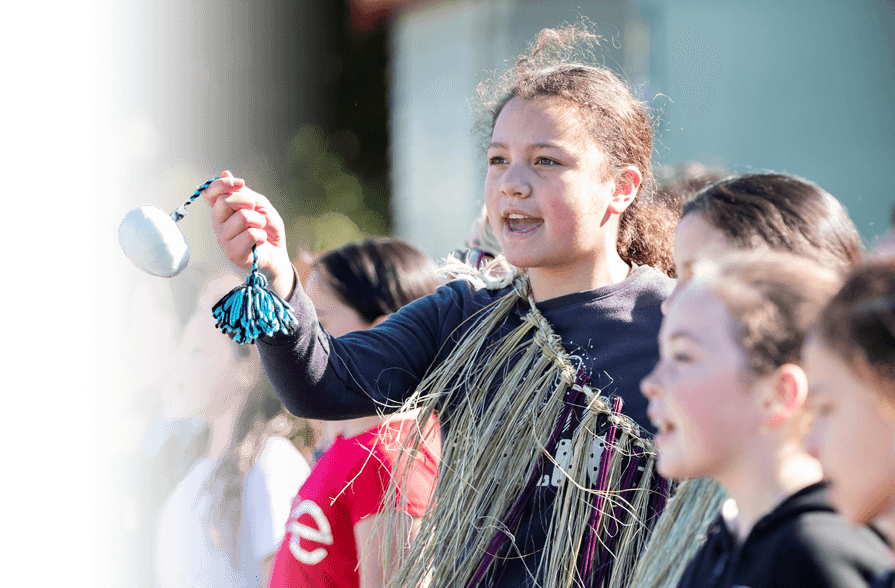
(646, 232)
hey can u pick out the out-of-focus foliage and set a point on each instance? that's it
(328, 205)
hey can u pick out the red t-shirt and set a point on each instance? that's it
(348, 484)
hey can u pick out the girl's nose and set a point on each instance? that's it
(513, 182)
(649, 386)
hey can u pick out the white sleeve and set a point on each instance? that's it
(267, 496)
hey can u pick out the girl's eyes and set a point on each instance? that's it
(682, 357)
(498, 160)
(678, 357)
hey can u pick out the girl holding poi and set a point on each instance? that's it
(153, 242)
(547, 473)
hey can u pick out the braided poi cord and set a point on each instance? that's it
(181, 213)
(250, 310)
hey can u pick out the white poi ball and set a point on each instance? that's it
(153, 241)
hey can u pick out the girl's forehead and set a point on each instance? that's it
(697, 238)
(699, 314)
(542, 120)
(823, 365)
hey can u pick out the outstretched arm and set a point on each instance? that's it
(365, 372)
(316, 376)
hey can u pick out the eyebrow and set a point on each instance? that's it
(498, 145)
(685, 334)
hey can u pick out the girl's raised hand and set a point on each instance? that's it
(242, 218)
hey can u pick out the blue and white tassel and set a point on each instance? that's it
(251, 310)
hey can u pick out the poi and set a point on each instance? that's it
(152, 240)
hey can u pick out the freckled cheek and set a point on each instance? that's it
(492, 189)
(491, 185)
(565, 223)
(493, 209)
(492, 202)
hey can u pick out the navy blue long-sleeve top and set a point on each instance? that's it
(610, 332)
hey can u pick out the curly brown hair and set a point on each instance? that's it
(556, 65)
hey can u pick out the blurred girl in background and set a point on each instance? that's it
(223, 522)
(778, 212)
(335, 535)
(748, 212)
(728, 399)
(850, 362)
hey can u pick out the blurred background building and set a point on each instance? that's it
(354, 117)
(802, 87)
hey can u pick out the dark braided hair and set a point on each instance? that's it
(858, 325)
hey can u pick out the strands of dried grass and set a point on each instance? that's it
(494, 275)
(636, 532)
(679, 533)
(503, 406)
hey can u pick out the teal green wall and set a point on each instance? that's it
(804, 87)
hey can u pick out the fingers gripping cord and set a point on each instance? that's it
(250, 310)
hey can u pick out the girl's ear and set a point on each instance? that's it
(784, 396)
(626, 185)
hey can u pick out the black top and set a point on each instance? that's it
(801, 543)
(610, 332)
(885, 581)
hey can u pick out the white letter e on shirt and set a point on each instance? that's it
(322, 534)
